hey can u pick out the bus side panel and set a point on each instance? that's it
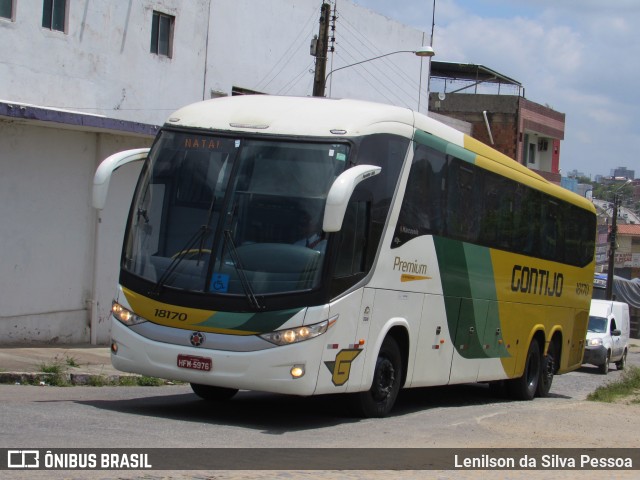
(342, 361)
(576, 342)
(391, 308)
(435, 346)
(536, 294)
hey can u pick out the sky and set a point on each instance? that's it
(579, 57)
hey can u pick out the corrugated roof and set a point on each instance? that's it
(629, 229)
(469, 71)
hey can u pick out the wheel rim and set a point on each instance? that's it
(384, 379)
(533, 371)
(549, 368)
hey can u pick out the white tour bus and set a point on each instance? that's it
(313, 246)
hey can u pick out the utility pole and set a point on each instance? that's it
(612, 248)
(322, 47)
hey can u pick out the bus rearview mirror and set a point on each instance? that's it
(105, 170)
(340, 193)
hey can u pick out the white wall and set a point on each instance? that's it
(103, 63)
(47, 233)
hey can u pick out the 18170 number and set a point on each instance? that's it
(168, 314)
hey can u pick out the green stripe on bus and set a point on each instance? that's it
(468, 285)
(430, 140)
(461, 311)
(250, 322)
(444, 146)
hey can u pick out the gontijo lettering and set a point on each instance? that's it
(536, 281)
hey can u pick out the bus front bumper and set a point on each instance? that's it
(268, 370)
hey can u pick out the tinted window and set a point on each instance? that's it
(449, 197)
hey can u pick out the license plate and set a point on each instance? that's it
(194, 363)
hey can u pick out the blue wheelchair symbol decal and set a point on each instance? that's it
(219, 283)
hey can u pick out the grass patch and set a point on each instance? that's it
(145, 381)
(71, 362)
(54, 367)
(57, 377)
(99, 381)
(128, 381)
(628, 385)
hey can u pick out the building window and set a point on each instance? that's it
(7, 9)
(162, 34)
(54, 14)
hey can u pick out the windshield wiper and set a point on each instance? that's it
(244, 281)
(199, 236)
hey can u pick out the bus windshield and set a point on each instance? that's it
(232, 215)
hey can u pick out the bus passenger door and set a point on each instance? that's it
(493, 343)
(472, 317)
(435, 345)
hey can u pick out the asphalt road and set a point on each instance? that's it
(443, 417)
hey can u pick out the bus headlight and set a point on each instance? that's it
(124, 315)
(298, 334)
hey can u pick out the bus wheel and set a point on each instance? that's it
(379, 399)
(548, 370)
(213, 394)
(525, 387)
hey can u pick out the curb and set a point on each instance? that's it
(47, 379)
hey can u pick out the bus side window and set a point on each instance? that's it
(351, 253)
(422, 205)
(525, 220)
(464, 201)
(549, 235)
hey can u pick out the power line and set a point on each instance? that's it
(295, 44)
(384, 73)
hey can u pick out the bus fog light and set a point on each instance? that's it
(297, 371)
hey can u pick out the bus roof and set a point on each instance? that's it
(323, 117)
(275, 115)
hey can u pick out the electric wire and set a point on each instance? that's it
(383, 70)
(370, 78)
(296, 44)
(351, 39)
(366, 44)
(286, 88)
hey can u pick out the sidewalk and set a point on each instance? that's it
(66, 364)
(77, 365)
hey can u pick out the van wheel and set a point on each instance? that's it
(623, 361)
(213, 394)
(548, 370)
(525, 387)
(380, 398)
(604, 368)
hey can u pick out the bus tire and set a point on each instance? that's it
(525, 387)
(548, 370)
(379, 399)
(213, 394)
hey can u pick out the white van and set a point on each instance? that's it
(607, 335)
